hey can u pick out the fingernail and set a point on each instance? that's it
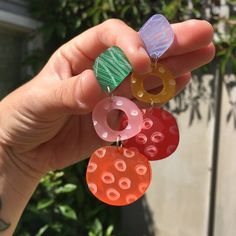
(88, 91)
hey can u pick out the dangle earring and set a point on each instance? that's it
(119, 175)
(116, 175)
(159, 136)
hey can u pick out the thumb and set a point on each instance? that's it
(55, 98)
(48, 98)
(77, 95)
(36, 111)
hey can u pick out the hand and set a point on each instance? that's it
(46, 124)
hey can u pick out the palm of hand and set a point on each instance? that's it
(52, 145)
(74, 142)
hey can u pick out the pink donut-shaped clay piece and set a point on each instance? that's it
(132, 112)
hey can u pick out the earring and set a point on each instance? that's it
(116, 175)
(119, 175)
(159, 136)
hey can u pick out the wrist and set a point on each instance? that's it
(21, 180)
(16, 189)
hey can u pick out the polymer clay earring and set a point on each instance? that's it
(159, 136)
(168, 91)
(119, 175)
(116, 175)
(111, 68)
(157, 36)
(132, 112)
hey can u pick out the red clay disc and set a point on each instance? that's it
(118, 176)
(159, 136)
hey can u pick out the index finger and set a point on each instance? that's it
(81, 51)
(190, 36)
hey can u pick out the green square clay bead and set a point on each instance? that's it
(111, 68)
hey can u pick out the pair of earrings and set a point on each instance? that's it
(119, 175)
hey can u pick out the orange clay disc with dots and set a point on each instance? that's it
(118, 176)
(169, 85)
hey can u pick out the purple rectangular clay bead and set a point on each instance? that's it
(157, 35)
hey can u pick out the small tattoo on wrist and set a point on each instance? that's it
(3, 224)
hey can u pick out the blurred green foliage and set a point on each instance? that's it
(62, 205)
(63, 19)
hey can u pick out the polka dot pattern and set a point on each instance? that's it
(159, 136)
(168, 81)
(100, 113)
(120, 165)
(121, 176)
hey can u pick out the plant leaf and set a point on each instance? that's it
(68, 212)
(44, 203)
(42, 230)
(67, 188)
(97, 227)
(109, 230)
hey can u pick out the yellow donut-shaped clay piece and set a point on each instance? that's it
(168, 80)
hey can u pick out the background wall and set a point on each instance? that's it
(15, 29)
(179, 196)
(11, 47)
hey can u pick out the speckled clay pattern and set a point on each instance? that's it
(159, 136)
(118, 176)
(131, 110)
(168, 91)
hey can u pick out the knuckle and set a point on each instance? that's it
(113, 22)
(62, 95)
(108, 30)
